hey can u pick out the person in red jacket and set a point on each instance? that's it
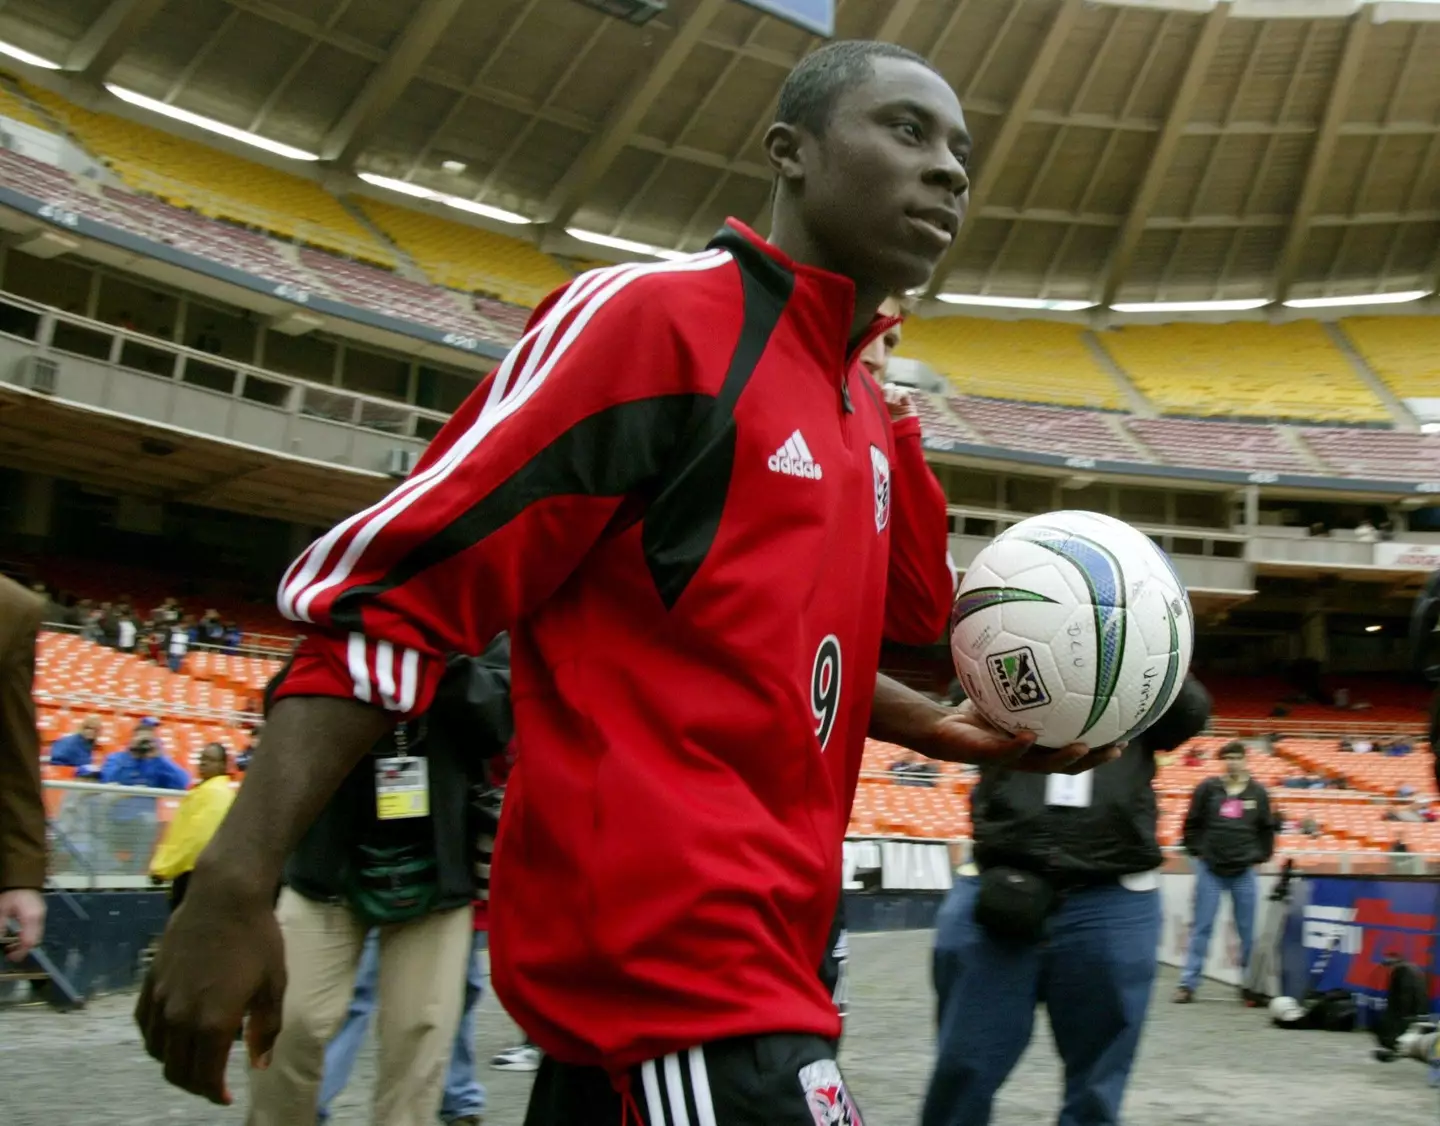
(676, 491)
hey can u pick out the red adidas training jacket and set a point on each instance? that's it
(676, 492)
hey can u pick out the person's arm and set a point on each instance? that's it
(903, 716)
(110, 768)
(22, 805)
(1267, 823)
(921, 584)
(176, 777)
(1194, 831)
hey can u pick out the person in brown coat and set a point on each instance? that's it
(22, 808)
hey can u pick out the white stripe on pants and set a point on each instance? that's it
(421, 991)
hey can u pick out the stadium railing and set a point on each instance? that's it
(122, 350)
(101, 835)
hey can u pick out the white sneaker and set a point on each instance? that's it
(522, 1057)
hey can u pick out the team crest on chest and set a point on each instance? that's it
(881, 465)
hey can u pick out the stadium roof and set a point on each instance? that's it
(1135, 150)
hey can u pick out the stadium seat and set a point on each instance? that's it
(1403, 351)
(1034, 361)
(468, 258)
(1059, 430)
(215, 183)
(1388, 454)
(1274, 371)
(1231, 445)
(16, 106)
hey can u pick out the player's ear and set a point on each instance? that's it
(784, 150)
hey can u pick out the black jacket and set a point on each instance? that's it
(469, 722)
(1230, 834)
(1111, 836)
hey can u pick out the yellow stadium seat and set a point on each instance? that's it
(1245, 369)
(467, 258)
(217, 184)
(17, 107)
(1403, 351)
(1035, 361)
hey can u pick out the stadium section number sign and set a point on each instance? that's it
(815, 16)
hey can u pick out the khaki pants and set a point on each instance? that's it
(421, 992)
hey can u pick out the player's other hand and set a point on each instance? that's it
(221, 958)
(963, 735)
(25, 908)
(900, 403)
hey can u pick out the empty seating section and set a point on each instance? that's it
(1055, 430)
(937, 420)
(1035, 361)
(398, 297)
(467, 258)
(1255, 370)
(1228, 445)
(1377, 453)
(51, 185)
(241, 249)
(1403, 351)
(217, 184)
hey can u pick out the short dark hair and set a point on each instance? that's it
(1232, 749)
(810, 92)
(221, 748)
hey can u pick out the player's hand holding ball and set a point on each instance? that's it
(1073, 626)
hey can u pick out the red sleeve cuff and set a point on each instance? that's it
(356, 667)
(908, 427)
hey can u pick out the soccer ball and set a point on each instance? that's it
(1075, 626)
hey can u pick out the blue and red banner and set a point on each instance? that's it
(1364, 922)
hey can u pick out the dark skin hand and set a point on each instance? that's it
(222, 956)
(902, 715)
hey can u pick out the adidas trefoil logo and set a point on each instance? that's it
(793, 459)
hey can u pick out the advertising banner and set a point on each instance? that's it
(1364, 922)
(1411, 556)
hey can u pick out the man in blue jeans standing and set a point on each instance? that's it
(1065, 912)
(1228, 830)
(464, 1101)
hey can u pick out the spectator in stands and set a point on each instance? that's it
(1365, 531)
(22, 806)
(242, 760)
(143, 763)
(78, 748)
(212, 629)
(1065, 910)
(179, 644)
(1229, 829)
(912, 770)
(126, 631)
(194, 823)
(232, 637)
(1398, 845)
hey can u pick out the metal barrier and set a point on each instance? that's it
(103, 836)
(52, 330)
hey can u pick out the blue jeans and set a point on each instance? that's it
(1093, 974)
(1208, 887)
(464, 1094)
